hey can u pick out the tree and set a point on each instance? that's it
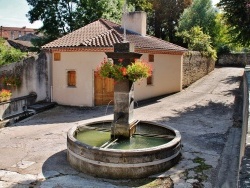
(198, 41)
(221, 40)
(163, 15)
(166, 16)
(141, 5)
(88, 11)
(56, 16)
(201, 13)
(60, 17)
(237, 14)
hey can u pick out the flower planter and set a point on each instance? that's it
(3, 99)
(5, 95)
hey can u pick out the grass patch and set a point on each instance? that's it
(203, 166)
(199, 170)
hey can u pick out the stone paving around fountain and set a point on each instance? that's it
(33, 151)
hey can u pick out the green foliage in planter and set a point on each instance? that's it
(133, 72)
(139, 70)
(5, 95)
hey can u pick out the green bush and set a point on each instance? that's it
(198, 41)
(9, 54)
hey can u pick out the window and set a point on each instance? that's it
(57, 56)
(151, 58)
(71, 78)
(150, 80)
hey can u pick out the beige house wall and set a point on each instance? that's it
(167, 77)
(84, 63)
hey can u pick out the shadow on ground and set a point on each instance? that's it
(66, 114)
(57, 168)
(57, 163)
(69, 114)
(150, 101)
(212, 109)
(233, 80)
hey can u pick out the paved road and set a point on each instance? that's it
(33, 151)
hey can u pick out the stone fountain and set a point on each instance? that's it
(98, 148)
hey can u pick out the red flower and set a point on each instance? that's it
(120, 60)
(124, 71)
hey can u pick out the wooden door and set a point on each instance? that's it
(104, 90)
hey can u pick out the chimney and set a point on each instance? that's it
(136, 22)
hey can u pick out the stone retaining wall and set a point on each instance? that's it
(244, 174)
(236, 60)
(195, 66)
(33, 73)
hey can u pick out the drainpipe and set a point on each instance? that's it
(51, 76)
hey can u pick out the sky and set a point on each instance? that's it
(13, 14)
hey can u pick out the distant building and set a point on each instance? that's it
(11, 33)
(23, 43)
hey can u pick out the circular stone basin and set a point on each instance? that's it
(152, 149)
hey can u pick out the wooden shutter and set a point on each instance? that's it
(151, 58)
(71, 78)
(150, 80)
(57, 56)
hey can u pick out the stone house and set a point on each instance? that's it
(75, 57)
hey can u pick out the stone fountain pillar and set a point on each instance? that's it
(123, 125)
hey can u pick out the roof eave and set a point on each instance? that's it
(160, 51)
(79, 48)
(111, 49)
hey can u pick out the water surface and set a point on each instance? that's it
(99, 138)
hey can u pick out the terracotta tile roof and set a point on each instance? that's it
(104, 33)
(24, 46)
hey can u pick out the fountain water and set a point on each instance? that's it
(130, 148)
